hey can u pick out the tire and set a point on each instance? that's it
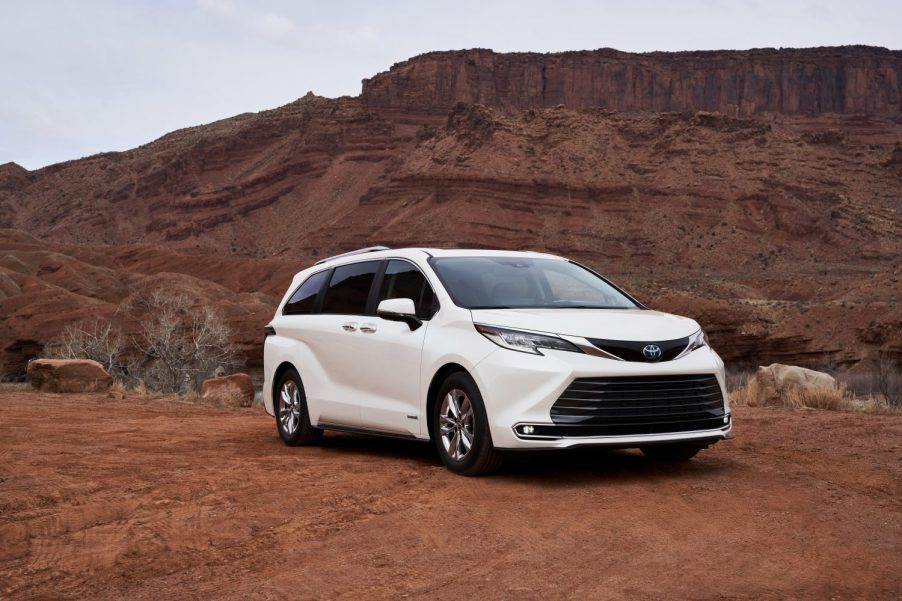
(471, 424)
(292, 418)
(671, 453)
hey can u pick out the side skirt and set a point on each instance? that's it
(368, 432)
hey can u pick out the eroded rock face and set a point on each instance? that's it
(848, 79)
(12, 176)
(776, 380)
(731, 220)
(234, 390)
(68, 375)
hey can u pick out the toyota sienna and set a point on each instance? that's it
(483, 351)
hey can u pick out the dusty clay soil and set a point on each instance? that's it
(107, 498)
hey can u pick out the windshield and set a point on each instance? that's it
(522, 282)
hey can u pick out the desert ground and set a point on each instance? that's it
(112, 496)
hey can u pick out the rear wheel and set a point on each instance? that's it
(292, 418)
(460, 428)
(671, 452)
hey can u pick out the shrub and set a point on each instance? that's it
(745, 394)
(887, 380)
(176, 347)
(180, 346)
(95, 339)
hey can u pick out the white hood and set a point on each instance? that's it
(610, 324)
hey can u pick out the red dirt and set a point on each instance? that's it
(111, 498)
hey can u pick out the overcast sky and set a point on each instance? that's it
(87, 76)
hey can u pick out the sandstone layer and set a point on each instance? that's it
(779, 232)
(809, 81)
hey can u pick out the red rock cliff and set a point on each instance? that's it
(848, 79)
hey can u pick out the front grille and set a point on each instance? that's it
(632, 351)
(640, 405)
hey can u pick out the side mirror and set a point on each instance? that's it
(399, 309)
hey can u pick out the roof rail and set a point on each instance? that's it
(360, 251)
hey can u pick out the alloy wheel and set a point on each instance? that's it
(289, 407)
(456, 424)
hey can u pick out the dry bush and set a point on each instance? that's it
(743, 391)
(95, 339)
(833, 399)
(887, 380)
(745, 394)
(180, 346)
(176, 347)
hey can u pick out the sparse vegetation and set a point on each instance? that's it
(854, 392)
(887, 380)
(176, 347)
(97, 339)
(180, 346)
(745, 394)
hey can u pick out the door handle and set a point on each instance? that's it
(368, 328)
(350, 326)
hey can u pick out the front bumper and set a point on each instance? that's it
(519, 390)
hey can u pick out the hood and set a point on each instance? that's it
(611, 324)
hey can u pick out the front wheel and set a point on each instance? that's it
(460, 428)
(671, 452)
(292, 418)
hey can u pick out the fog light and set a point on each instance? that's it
(528, 429)
(726, 419)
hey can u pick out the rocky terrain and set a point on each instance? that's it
(756, 191)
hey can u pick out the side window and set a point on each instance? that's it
(349, 288)
(304, 298)
(404, 280)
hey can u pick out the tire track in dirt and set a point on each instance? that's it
(152, 499)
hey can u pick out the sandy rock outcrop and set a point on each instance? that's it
(234, 390)
(774, 381)
(847, 79)
(68, 375)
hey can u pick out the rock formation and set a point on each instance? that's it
(810, 81)
(234, 390)
(780, 233)
(775, 383)
(68, 375)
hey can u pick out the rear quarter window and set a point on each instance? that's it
(303, 301)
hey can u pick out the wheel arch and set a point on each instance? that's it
(280, 371)
(437, 379)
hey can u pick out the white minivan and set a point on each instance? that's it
(483, 351)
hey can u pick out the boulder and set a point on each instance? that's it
(774, 382)
(68, 375)
(234, 390)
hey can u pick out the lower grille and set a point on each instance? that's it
(640, 405)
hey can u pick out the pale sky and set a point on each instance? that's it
(86, 76)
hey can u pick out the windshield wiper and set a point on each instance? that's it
(478, 307)
(583, 307)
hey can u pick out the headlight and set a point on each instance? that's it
(696, 341)
(525, 342)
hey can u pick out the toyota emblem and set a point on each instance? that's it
(652, 352)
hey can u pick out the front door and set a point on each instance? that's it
(391, 354)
